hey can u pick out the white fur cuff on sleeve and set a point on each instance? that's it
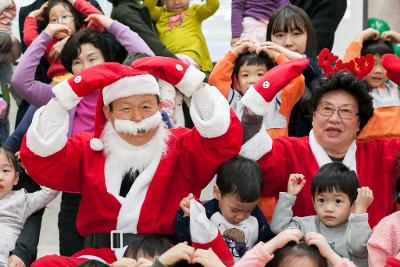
(255, 102)
(47, 136)
(218, 112)
(65, 95)
(257, 146)
(192, 79)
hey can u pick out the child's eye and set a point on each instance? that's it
(260, 74)
(321, 200)
(338, 201)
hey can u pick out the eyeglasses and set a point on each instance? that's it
(64, 19)
(344, 113)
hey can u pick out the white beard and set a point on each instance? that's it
(123, 155)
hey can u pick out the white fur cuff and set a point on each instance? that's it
(255, 102)
(257, 146)
(65, 95)
(46, 137)
(192, 79)
(219, 119)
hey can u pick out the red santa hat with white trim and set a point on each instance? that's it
(205, 234)
(118, 81)
(391, 63)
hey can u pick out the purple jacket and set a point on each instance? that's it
(38, 93)
(258, 9)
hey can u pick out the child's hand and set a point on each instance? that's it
(242, 46)
(234, 40)
(365, 197)
(142, 262)
(101, 19)
(295, 184)
(367, 34)
(56, 29)
(55, 51)
(391, 36)
(324, 248)
(185, 205)
(207, 258)
(124, 262)
(274, 50)
(178, 252)
(282, 239)
(38, 13)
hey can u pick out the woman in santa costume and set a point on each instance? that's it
(340, 107)
(133, 172)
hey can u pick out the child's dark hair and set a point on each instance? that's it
(292, 252)
(376, 47)
(147, 246)
(290, 17)
(241, 177)
(252, 59)
(72, 48)
(336, 176)
(78, 18)
(92, 263)
(11, 159)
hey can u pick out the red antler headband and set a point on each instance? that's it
(330, 64)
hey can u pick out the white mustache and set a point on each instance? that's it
(131, 127)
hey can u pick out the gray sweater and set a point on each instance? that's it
(349, 240)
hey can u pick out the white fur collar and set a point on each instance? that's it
(323, 158)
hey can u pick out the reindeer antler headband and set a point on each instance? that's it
(330, 64)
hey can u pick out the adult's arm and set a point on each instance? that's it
(132, 18)
(26, 244)
(35, 92)
(237, 17)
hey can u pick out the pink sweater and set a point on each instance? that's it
(257, 257)
(385, 240)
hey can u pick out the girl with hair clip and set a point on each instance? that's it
(385, 121)
(384, 243)
(287, 250)
(71, 14)
(290, 32)
(85, 48)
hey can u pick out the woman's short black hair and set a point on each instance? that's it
(290, 17)
(376, 47)
(72, 48)
(348, 82)
(252, 59)
(292, 252)
(147, 246)
(336, 176)
(241, 177)
(78, 18)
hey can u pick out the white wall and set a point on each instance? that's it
(217, 29)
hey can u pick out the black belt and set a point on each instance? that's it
(113, 240)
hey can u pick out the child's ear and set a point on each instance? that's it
(216, 193)
(353, 207)
(16, 179)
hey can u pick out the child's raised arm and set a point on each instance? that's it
(206, 10)
(155, 11)
(354, 49)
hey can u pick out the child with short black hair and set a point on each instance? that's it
(385, 92)
(234, 207)
(341, 208)
(147, 246)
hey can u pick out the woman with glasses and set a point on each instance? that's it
(341, 107)
(70, 13)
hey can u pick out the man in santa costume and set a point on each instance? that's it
(133, 172)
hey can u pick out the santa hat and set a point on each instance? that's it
(205, 234)
(261, 93)
(392, 65)
(117, 81)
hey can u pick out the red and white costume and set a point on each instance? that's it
(374, 161)
(190, 161)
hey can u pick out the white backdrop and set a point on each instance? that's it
(217, 29)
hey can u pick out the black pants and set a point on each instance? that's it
(70, 240)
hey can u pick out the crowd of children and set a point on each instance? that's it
(273, 82)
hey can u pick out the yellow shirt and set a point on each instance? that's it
(181, 32)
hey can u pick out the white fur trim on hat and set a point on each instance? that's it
(192, 79)
(65, 95)
(128, 86)
(255, 102)
(96, 144)
(257, 146)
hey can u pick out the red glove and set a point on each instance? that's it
(392, 65)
